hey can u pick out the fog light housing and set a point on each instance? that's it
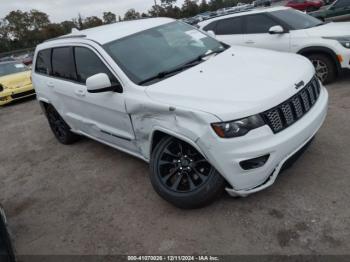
(254, 162)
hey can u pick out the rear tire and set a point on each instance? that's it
(325, 68)
(182, 176)
(59, 127)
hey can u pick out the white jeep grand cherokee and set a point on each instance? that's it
(205, 115)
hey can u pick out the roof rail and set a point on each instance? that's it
(230, 13)
(65, 37)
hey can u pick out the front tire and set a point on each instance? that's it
(325, 68)
(182, 176)
(59, 127)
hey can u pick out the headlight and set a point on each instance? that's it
(343, 40)
(238, 127)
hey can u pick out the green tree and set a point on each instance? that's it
(157, 10)
(109, 18)
(216, 4)
(38, 20)
(190, 8)
(132, 14)
(4, 38)
(18, 24)
(52, 31)
(67, 26)
(204, 6)
(79, 23)
(167, 3)
(92, 21)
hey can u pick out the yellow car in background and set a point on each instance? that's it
(15, 82)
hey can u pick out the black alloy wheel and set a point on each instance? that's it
(59, 127)
(181, 175)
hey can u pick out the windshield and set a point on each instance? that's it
(148, 53)
(12, 68)
(296, 19)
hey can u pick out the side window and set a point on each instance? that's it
(63, 63)
(89, 64)
(258, 24)
(43, 62)
(342, 4)
(210, 27)
(229, 26)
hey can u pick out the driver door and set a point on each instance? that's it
(256, 33)
(107, 118)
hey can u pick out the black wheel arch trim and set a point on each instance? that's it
(165, 132)
(322, 49)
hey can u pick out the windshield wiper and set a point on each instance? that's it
(180, 68)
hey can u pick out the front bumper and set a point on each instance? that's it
(9, 95)
(345, 55)
(226, 154)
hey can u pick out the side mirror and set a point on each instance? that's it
(100, 83)
(277, 29)
(211, 33)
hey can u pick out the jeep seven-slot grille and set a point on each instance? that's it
(290, 111)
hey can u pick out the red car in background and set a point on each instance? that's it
(305, 5)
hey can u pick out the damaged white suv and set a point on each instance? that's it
(205, 115)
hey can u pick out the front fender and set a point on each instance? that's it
(185, 124)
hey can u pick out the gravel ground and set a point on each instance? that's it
(91, 199)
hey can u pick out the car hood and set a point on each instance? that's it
(236, 83)
(17, 80)
(330, 29)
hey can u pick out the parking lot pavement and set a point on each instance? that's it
(91, 199)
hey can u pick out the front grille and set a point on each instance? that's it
(290, 111)
(23, 94)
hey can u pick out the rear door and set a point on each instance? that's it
(65, 88)
(229, 30)
(256, 33)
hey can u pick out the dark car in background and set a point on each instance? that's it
(264, 3)
(338, 11)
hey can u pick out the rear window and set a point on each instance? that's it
(229, 26)
(43, 62)
(63, 63)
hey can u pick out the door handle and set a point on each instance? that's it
(250, 42)
(80, 92)
(50, 84)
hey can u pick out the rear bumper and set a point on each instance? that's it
(9, 95)
(227, 154)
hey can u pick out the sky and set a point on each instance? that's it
(60, 10)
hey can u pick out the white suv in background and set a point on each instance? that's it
(327, 45)
(204, 115)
